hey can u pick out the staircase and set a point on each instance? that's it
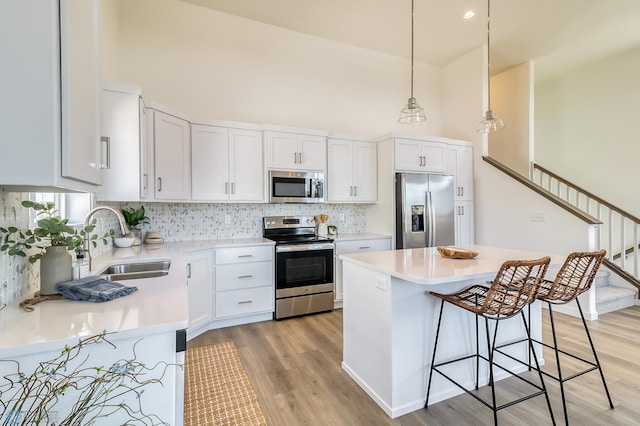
(618, 233)
(610, 297)
(618, 280)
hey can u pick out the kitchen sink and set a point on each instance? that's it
(137, 270)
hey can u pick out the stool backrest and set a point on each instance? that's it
(514, 287)
(575, 276)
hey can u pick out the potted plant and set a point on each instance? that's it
(52, 239)
(135, 218)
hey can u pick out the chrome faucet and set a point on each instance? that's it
(121, 220)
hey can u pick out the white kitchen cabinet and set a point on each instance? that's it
(354, 246)
(200, 285)
(464, 223)
(171, 157)
(351, 171)
(244, 279)
(413, 155)
(125, 173)
(49, 107)
(295, 151)
(460, 165)
(226, 164)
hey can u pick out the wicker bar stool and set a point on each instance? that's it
(514, 287)
(574, 278)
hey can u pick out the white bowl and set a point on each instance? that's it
(124, 241)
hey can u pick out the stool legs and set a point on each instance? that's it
(491, 349)
(535, 359)
(595, 365)
(433, 358)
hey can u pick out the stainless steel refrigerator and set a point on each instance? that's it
(424, 210)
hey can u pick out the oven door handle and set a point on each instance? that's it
(304, 247)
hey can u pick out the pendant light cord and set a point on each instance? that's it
(489, 53)
(412, 2)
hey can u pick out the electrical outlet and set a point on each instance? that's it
(341, 217)
(381, 283)
(537, 217)
(227, 219)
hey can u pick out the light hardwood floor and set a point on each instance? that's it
(294, 368)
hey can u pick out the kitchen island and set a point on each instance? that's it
(389, 322)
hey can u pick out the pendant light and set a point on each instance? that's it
(412, 112)
(490, 122)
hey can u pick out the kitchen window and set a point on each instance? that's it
(73, 206)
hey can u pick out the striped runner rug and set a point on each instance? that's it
(217, 389)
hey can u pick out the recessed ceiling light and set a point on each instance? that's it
(469, 14)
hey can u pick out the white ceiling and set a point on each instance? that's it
(556, 34)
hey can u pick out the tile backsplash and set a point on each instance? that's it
(174, 221)
(18, 278)
(196, 221)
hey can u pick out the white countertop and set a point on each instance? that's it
(160, 304)
(426, 266)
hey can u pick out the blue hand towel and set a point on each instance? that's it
(93, 289)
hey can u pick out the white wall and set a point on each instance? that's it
(588, 128)
(512, 100)
(217, 66)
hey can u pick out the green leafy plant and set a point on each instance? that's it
(92, 391)
(51, 230)
(135, 217)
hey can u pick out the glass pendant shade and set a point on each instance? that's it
(412, 112)
(490, 123)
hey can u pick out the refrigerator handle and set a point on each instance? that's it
(431, 222)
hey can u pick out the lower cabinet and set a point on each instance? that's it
(354, 246)
(243, 281)
(200, 282)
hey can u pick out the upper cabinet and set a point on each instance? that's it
(171, 156)
(295, 151)
(460, 165)
(123, 129)
(49, 108)
(352, 171)
(420, 156)
(226, 164)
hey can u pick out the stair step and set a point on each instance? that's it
(611, 298)
(602, 278)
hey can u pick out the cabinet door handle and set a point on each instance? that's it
(244, 302)
(461, 210)
(355, 190)
(300, 158)
(145, 181)
(226, 187)
(462, 191)
(245, 255)
(245, 276)
(159, 184)
(106, 153)
(365, 247)
(188, 270)
(233, 187)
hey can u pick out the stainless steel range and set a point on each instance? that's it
(304, 266)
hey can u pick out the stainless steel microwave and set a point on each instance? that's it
(296, 187)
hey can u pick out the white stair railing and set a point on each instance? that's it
(619, 233)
